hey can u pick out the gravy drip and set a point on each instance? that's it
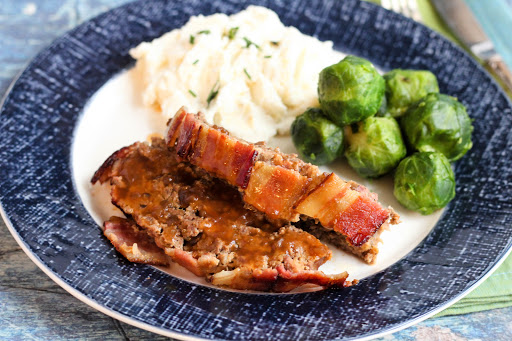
(205, 216)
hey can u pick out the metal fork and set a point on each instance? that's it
(409, 8)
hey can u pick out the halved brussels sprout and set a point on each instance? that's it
(424, 182)
(439, 123)
(374, 146)
(350, 91)
(405, 87)
(317, 139)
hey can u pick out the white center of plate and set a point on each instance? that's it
(115, 117)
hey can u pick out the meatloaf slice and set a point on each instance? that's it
(133, 242)
(201, 223)
(282, 186)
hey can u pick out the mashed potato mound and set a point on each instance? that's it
(246, 72)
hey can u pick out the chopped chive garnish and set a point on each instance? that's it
(275, 43)
(232, 32)
(192, 39)
(247, 73)
(268, 57)
(192, 93)
(213, 93)
(194, 63)
(204, 32)
(249, 43)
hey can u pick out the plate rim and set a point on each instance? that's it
(161, 331)
(166, 332)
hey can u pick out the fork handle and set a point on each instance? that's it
(501, 70)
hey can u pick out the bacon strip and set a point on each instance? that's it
(179, 212)
(279, 279)
(219, 154)
(347, 211)
(277, 185)
(105, 170)
(274, 190)
(133, 243)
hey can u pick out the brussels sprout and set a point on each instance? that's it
(438, 123)
(350, 91)
(405, 87)
(424, 182)
(317, 139)
(374, 146)
(383, 110)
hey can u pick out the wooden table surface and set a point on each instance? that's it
(33, 307)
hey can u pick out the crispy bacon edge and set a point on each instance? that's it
(212, 148)
(125, 233)
(278, 279)
(133, 242)
(104, 172)
(135, 245)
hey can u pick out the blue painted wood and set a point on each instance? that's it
(31, 305)
(496, 19)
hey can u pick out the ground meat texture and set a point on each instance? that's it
(201, 222)
(282, 186)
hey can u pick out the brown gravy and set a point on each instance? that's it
(152, 184)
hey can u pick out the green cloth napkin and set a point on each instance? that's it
(496, 290)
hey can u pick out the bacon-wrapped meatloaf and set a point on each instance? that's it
(241, 215)
(284, 187)
(178, 211)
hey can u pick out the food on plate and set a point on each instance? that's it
(356, 98)
(383, 107)
(282, 186)
(200, 222)
(424, 182)
(133, 242)
(246, 72)
(405, 87)
(350, 91)
(374, 146)
(439, 123)
(243, 215)
(316, 138)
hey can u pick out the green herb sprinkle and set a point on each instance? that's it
(249, 43)
(232, 33)
(247, 73)
(213, 93)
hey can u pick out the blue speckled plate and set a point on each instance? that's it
(46, 216)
